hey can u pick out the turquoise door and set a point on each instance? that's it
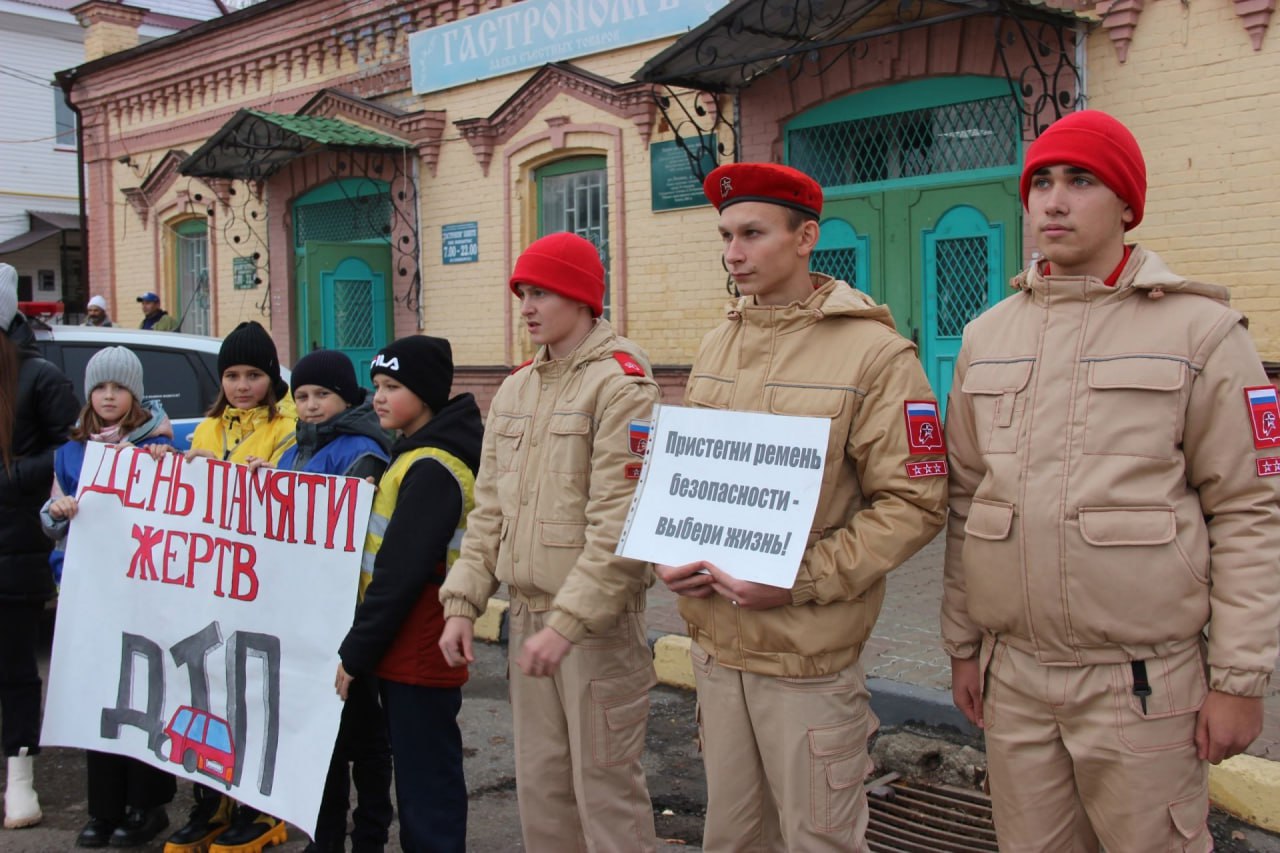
(346, 302)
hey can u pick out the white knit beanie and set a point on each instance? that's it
(114, 364)
(8, 296)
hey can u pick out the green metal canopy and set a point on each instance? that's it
(254, 145)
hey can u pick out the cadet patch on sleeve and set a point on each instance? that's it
(629, 365)
(924, 427)
(1268, 466)
(1264, 413)
(631, 471)
(916, 470)
(638, 437)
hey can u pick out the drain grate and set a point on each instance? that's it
(911, 818)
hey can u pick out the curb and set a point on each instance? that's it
(1245, 786)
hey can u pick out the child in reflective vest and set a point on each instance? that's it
(419, 514)
(127, 797)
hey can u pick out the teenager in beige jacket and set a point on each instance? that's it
(558, 469)
(1114, 534)
(782, 701)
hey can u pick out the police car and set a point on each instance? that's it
(179, 370)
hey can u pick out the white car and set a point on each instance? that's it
(179, 370)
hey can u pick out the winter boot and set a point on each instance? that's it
(21, 806)
(250, 832)
(210, 816)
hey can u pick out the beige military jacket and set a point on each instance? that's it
(557, 472)
(836, 356)
(1110, 498)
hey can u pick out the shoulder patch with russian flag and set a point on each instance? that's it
(629, 365)
(1264, 414)
(924, 427)
(638, 437)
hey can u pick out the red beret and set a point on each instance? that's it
(1093, 140)
(566, 264)
(767, 182)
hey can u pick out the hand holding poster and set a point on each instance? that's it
(737, 489)
(200, 615)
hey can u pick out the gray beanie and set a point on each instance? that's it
(8, 296)
(114, 364)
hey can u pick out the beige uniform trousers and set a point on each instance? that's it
(579, 738)
(1074, 761)
(785, 759)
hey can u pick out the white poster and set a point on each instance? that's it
(201, 611)
(737, 489)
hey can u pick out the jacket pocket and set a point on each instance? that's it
(993, 567)
(997, 391)
(1134, 406)
(508, 432)
(814, 401)
(837, 768)
(1122, 557)
(570, 443)
(1178, 690)
(560, 544)
(708, 392)
(619, 716)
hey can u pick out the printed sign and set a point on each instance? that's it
(536, 32)
(199, 620)
(737, 489)
(671, 175)
(460, 243)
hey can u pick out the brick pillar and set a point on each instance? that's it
(110, 27)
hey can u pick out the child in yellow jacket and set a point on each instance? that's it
(253, 418)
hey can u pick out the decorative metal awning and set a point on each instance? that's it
(747, 38)
(254, 145)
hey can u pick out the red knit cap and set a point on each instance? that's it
(566, 264)
(767, 182)
(1093, 140)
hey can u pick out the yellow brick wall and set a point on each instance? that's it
(1205, 106)
(674, 285)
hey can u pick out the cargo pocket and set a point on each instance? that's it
(570, 443)
(997, 391)
(837, 769)
(992, 567)
(619, 713)
(1178, 689)
(561, 543)
(708, 392)
(508, 431)
(1134, 407)
(1190, 819)
(814, 401)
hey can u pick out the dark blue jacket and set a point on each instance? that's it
(350, 444)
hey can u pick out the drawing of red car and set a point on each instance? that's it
(200, 741)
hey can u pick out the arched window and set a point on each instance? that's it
(573, 195)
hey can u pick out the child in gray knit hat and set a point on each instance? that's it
(116, 414)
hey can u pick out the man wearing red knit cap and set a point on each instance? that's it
(782, 700)
(1111, 586)
(562, 454)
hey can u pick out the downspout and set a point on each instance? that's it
(1082, 66)
(66, 81)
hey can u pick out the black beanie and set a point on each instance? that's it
(330, 369)
(420, 363)
(250, 344)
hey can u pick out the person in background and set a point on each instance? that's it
(96, 312)
(154, 317)
(37, 409)
(127, 797)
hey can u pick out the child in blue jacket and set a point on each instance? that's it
(338, 433)
(127, 797)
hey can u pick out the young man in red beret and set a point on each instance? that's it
(562, 453)
(781, 693)
(1112, 591)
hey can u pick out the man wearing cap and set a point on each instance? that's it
(153, 316)
(1111, 585)
(562, 453)
(96, 312)
(782, 703)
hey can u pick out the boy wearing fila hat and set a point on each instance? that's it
(419, 514)
(1114, 449)
(781, 693)
(562, 454)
